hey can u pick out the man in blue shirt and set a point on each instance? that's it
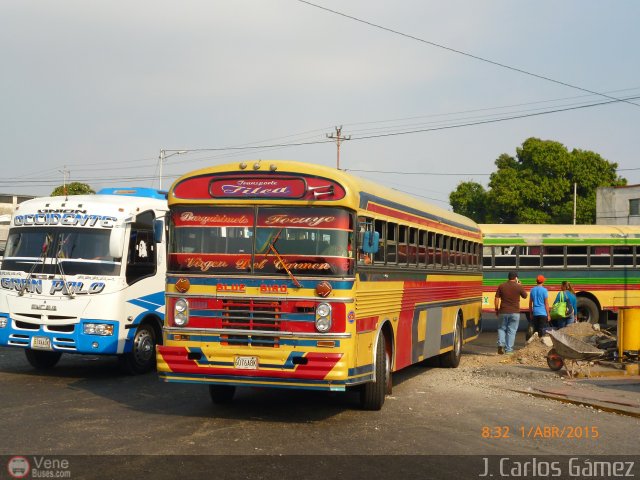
(539, 306)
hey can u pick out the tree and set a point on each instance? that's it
(537, 186)
(73, 188)
(470, 200)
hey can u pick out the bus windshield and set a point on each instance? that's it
(44, 250)
(308, 241)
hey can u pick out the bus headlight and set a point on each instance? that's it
(323, 317)
(181, 312)
(102, 329)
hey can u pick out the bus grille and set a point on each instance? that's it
(249, 314)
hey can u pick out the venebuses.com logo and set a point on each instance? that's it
(38, 467)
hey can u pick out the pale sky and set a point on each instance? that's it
(100, 87)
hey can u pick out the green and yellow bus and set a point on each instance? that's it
(294, 275)
(601, 262)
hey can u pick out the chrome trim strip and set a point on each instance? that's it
(265, 298)
(259, 333)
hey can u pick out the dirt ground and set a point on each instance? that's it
(534, 353)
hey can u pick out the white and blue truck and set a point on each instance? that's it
(85, 274)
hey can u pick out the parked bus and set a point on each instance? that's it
(601, 262)
(85, 274)
(294, 275)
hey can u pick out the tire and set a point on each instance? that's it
(221, 394)
(554, 360)
(373, 393)
(142, 357)
(42, 360)
(587, 311)
(452, 359)
(530, 331)
(530, 327)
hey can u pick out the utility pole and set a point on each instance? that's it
(575, 201)
(163, 156)
(64, 173)
(338, 138)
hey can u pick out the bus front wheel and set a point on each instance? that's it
(42, 360)
(221, 394)
(373, 393)
(142, 357)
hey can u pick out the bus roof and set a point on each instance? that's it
(359, 194)
(119, 206)
(521, 230)
(134, 192)
(516, 234)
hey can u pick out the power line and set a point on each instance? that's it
(460, 52)
(417, 173)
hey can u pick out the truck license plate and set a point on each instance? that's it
(41, 343)
(246, 363)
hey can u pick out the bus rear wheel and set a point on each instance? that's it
(452, 359)
(42, 360)
(372, 394)
(142, 357)
(587, 311)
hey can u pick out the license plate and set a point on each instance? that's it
(41, 343)
(246, 363)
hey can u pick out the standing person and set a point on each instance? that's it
(507, 303)
(566, 294)
(539, 306)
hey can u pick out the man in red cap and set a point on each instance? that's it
(539, 306)
(507, 303)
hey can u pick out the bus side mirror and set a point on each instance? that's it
(116, 242)
(370, 242)
(158, 230)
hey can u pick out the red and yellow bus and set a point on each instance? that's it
(600, 261)
(294, 275)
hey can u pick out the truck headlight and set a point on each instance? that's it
(3, 322)
(181, 312)
(323, 317)
(102, 329)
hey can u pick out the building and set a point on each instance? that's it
(618, 205)
(8, 204)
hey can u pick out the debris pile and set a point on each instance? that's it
(535, 352)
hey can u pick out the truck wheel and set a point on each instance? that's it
(452, 359)
(587, 311)
(372, 394)
(221, 393)
(142, 357)
(42, 360)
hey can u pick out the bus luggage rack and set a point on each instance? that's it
(252, 315)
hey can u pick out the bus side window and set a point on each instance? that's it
(529, 256)
(623, 256)
(141, 261)
(505, 256)
(577, 256)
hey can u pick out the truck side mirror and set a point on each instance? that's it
(116, 242)
(158, 230)
(370, 242)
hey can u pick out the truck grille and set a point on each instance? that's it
(249, 314)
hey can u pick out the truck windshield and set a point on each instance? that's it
(307, 241)
(79, 251)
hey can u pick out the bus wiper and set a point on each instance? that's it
(58, 256)
(272, 247)
(41, 258)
